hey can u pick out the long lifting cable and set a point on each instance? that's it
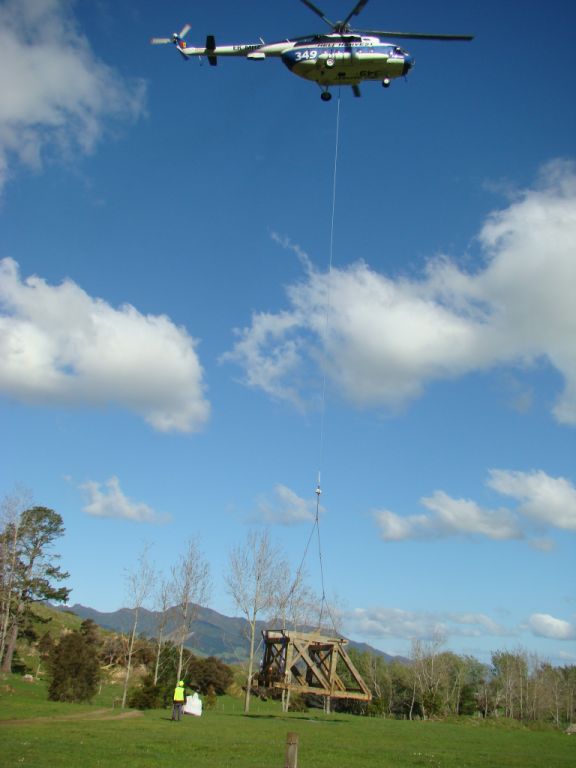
(316, 526)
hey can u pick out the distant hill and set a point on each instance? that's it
(213, 634)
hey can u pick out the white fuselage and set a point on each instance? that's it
(325, 59)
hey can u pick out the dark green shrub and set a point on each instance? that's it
(74, 669)
(297, 703)
(147, 695)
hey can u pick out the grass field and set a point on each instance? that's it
(35, 732)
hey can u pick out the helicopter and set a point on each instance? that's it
(342, 56)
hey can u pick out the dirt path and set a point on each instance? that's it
(96, 714)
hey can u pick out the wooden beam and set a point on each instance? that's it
(308, 663)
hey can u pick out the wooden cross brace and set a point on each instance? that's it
(308, 663)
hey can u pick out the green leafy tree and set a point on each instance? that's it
(157, 687)
(510, 673)
(210, 674)
(74, 667)
(404, 701)
(29, 571)
(147, 695)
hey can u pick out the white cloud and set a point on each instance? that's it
(544, 625)
(545, 502)
(287, 508)
(397, 623)
(110, 501)
(542, 545)
(59, 345)
(384, 339)
(449, 517)
(544, 499)
(266, 370)
(55, 93)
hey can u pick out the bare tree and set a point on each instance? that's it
(429, 672)
(294, 606)
(191, 588)
(163, 603)
(256, 569)
(140, 582)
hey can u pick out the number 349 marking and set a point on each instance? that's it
(302, 55)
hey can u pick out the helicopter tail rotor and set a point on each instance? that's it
(177, 39)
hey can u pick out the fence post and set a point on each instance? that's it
(291, 751)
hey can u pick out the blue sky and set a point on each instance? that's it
(169, 319)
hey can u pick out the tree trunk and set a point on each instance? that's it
(10, 648)
(286, 701)
(250, 667)
(157, 664)
(181, 654)
(8, 587)
(413, 700)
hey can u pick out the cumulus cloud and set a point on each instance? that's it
(544, 499)
(397, 623)
(381, 340)
(286, 507)
(55, 93)
(544, 625)
(59, 345)
(108, 500)
(386, 623)
(544, 502)
(448, 517)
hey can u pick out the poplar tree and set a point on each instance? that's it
(140, 584)
(254, 581)
(191, 587)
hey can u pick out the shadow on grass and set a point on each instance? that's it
(287, 718)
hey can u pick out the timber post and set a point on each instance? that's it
(291, 751)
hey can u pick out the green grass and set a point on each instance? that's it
(225, 737)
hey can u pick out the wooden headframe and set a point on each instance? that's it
(310, 663)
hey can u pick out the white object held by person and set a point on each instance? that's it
(193, 705)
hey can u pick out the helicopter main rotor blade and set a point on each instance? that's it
(318, 12)
(414, 35)
(354, 12)
(160, 40)
(184, 31)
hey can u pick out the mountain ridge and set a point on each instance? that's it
(213, 633)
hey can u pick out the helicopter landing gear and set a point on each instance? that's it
(325, 95)
(386, 83)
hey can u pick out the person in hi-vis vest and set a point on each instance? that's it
(178, 702)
